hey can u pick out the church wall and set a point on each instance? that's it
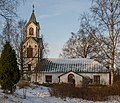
(33, 77)
(104, 77)
(41, 77)
(33, 61)
(37, 77)
(55, 78)
(34, 27)
(33, 44)
(78, 79)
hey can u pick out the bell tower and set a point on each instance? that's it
(32, 48)
(33, 27)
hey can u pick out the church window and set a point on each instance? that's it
(71, 79)
(29, 52)
(35, 46)
(96, 79)
(29, 67)
(31, 31)
(48, 78)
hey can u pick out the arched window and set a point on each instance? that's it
(31, 30)
(29, 52)
(71, 79)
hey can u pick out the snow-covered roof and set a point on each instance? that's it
(70, 61)
(65, 65)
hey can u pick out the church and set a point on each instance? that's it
(58, 70)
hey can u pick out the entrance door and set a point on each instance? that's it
(71, 79)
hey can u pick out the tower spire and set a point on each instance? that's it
(32, 18)
(33, 7)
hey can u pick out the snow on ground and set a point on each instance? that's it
(40, 94)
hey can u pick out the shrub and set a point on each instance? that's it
(94, 93)
(23, 84)
(62, 90)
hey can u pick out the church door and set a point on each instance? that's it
(71, 79)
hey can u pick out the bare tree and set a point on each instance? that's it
(13, 32)
(84, 44)
(18, 38)
(102, 43)
(8, 8)
(8, 32)
(46, 48)
(107, 20)
(8, 12)
(79, 45)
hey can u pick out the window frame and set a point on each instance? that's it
(29, 67)
(29, 52)
(97, 79)
(31, 31)
(48, 78)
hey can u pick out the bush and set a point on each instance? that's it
(23, 84)
(94, 93)
(62, 90)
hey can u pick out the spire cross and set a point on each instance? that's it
(33, 7)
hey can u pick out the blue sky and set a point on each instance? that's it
(57, 18)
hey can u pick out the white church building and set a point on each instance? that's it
(58, 70)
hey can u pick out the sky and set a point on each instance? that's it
(57, 19)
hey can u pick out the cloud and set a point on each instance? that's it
(48, 15)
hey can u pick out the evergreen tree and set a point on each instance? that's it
(9, 71)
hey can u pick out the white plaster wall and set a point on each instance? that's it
(104, 77)
(33, 77)
(41, 77)
(78, 78)
(55, 78)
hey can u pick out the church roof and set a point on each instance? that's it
(38, 40)
(33, 19)
(66, 65)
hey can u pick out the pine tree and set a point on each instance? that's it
(9, 71)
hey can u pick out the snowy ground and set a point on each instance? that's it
(40, 94)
